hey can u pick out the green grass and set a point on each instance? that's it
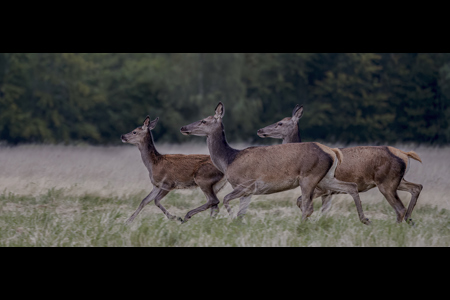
(57, 219)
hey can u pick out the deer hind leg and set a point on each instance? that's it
(350, 188)
(216, 188)
(214, 210)
(211, 181)
(414, 189)
(150, 197)
(308, 186)
(208, 190)
(306, 202)
(317, 193)
(390, 193)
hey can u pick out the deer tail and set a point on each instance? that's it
(413, 155)
(339, 154)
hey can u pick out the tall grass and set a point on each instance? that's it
(81, 196)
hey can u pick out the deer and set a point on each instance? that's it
(367, 166)
(270, 169)
(174, 171)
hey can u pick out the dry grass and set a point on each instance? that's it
(76, 188)
(119, 171)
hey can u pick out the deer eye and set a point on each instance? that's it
(134, 132)
(203, 121)
(279, 124)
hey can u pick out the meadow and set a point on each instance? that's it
(54, 195)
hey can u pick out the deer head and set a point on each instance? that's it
(138, 135)
(284, 127)
(207, 125)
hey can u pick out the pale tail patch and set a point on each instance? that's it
(339, 154)
(401, 154)
(413, 155)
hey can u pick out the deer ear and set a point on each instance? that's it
(297, 113)
(153, 123)
(146, 122)
(220, 111)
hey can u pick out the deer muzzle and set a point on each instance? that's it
(184, 131)
(261, 133)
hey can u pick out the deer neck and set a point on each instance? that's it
(293, 136)
(149, 154)
(222, 155)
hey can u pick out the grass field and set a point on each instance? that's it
(81, 196)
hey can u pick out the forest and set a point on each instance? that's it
(93, 98)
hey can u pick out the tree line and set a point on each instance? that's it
(371, 98)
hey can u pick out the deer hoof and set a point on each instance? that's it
(366, 221)
(180, 219)
(410, 222)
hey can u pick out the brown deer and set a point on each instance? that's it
(175, 171)
(368, 166)
(272, 169)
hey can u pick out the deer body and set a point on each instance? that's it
(175, 171)
(271, 169)
(367, 166)
(268, 172)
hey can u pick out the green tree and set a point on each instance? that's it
(46, 98)
(348, 102)
(352, 98)
(412, 80)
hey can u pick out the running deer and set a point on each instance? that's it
(175, 171)
(272, 169)
(368, 166)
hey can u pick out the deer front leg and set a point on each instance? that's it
(243, 205)
(326, 203)
(158, 198)
(150, 197)
(236, 193)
